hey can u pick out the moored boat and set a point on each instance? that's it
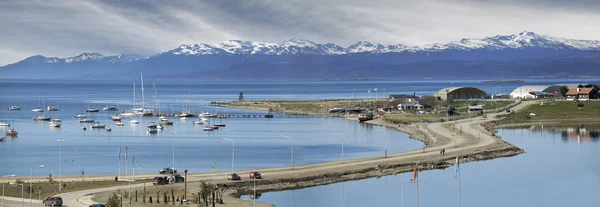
(11, 132)
(81, 116)
(128, 113)
(152, 128)
(92, 109)
(166, 122)
(55, 123)
(37, 110)
(134, 122)
(219, 125)
(207, 128)
(86, 121)
(3, 124)
(198, 122)
(120, 124)
(14, 108)
(116, 117)
(53, 108)
(98, 126)
(41, 118)
(365, 116)
(110, 108)
(108, 129)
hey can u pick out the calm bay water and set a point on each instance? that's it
(560, 168)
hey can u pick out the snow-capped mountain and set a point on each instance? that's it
(83, 57)
(306, 47)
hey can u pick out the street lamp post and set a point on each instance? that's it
(403, 190)
(31, 183)
(232, 152)
(254, 179)
(384, 141)
(292, 146)
(60, 141)
(3, 187)
(22, 200)
(173, 136)
(342, 145)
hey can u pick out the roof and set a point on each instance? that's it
(523, 91)
(582, 91)
(445, 91)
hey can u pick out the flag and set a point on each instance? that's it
(125, 152)
(375, 89)
(369, 91)
(119, 152)
(415, 175)
(457, 166)
(133, 158)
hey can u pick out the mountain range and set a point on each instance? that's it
(518, 55)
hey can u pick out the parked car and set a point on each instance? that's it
(256, 175)
(167, 171)
(53, 201)
(233, 176)
(176, 179)
(160, 181)
(97, 205)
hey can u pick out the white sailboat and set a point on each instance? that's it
(42, 117)
(2, 123)
(39, 108)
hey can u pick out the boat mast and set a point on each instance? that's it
(142, 78)
(133, 95)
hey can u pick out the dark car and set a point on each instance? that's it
(256, 175)
(160, 181)
(233, 176)
(97, 205)
(167, 171)
(53, 201)
(176, 179)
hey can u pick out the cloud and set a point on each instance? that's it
(67, 28)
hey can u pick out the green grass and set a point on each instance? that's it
(554, 111)
(49, 189)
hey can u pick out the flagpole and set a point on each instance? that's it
(119, 158)
(417, 188)
(459, 191)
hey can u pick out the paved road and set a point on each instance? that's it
(473, 138)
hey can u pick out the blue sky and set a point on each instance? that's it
(68, 28)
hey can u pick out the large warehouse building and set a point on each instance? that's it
(460, 93)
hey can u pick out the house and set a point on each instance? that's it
(402, 96)
(582, 94)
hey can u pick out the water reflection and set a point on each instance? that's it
(584, 133)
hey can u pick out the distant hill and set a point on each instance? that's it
(520, 55)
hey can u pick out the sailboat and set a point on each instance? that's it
(39, 108)
(143, 111)
(12, 132)
(53, 108)
(42, 117)
(55, 123)
(91, 109)
(132, 111)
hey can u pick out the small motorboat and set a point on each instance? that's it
(204, 119)
(110, 108)
(92, 110)
(166, 122)
(81, 116)
(152, 128)
(183, 117)
(207, 128)
(198, 122)
(11, 132)
(134, 122)
(219, 125)
(159, 127)
(116, 118)
(108, 129)
(41, 118)
(3, 124)
(14, 108)
(98, 126)
(2, 139)
(55, 124)
(83, 128)
(120, 124)
(37, 110)
(53, 108)
(86, 121)
(213, 127)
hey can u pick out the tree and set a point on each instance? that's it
(563, 90)
(206, 189)
(113, 201)
(50, 179)
(82, 174)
